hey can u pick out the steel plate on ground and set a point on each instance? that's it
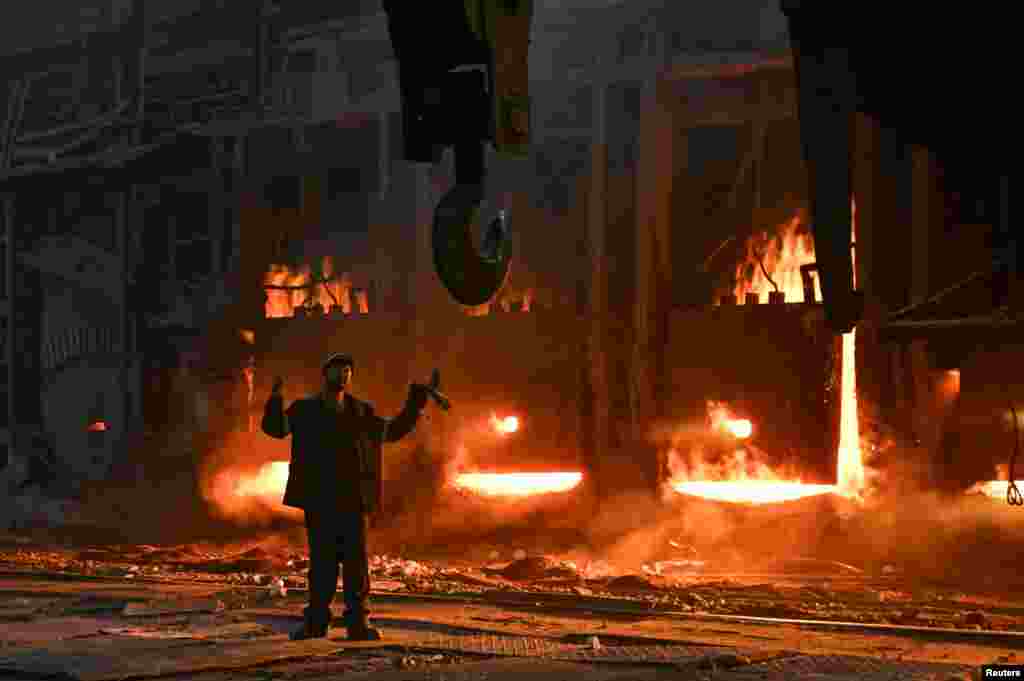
(523, 646)
(853, 667)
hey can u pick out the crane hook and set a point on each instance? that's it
(472, 275)
(464, 81)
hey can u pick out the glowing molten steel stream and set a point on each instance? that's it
(783, 258)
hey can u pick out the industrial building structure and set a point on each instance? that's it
(172, 183)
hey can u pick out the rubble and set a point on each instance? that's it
(535, 567)
(627, 583)
(848, 597)
(722, 661)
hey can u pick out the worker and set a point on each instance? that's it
(335, 478)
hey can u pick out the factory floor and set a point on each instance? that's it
(95, 627)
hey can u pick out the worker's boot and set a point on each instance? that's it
(359, 628)
(314, 625)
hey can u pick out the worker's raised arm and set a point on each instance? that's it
(275, 419)
(405, 421)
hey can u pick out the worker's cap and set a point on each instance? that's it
(339, 359)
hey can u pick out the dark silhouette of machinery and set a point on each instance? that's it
(897, 68)
(464, 82)
(932, 76)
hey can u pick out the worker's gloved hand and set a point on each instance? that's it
(275, 390)
(418, 394)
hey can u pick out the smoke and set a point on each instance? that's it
(934, 535)
(693, 451)
(239, 457)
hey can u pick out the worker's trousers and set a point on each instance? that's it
(338, 538)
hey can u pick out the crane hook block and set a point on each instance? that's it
(444, 105)
(472, 277)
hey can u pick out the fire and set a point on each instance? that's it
(782, 258)
(282, 302)
(505, 426)
(722, 419)
(740, 478)
(268, 482)
(517, 484)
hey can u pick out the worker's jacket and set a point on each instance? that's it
(337, 455)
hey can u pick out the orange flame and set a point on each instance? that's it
(517, 484)
(97, 427)
(782, 257)
(269, 482)
(505, 426)
(282, 302)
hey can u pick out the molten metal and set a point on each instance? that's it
(783, 257)
(740, 429)
(751, 491)
(509, 424)
(517, 484)
(994, 488)
(269, 483)
(850, 474)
